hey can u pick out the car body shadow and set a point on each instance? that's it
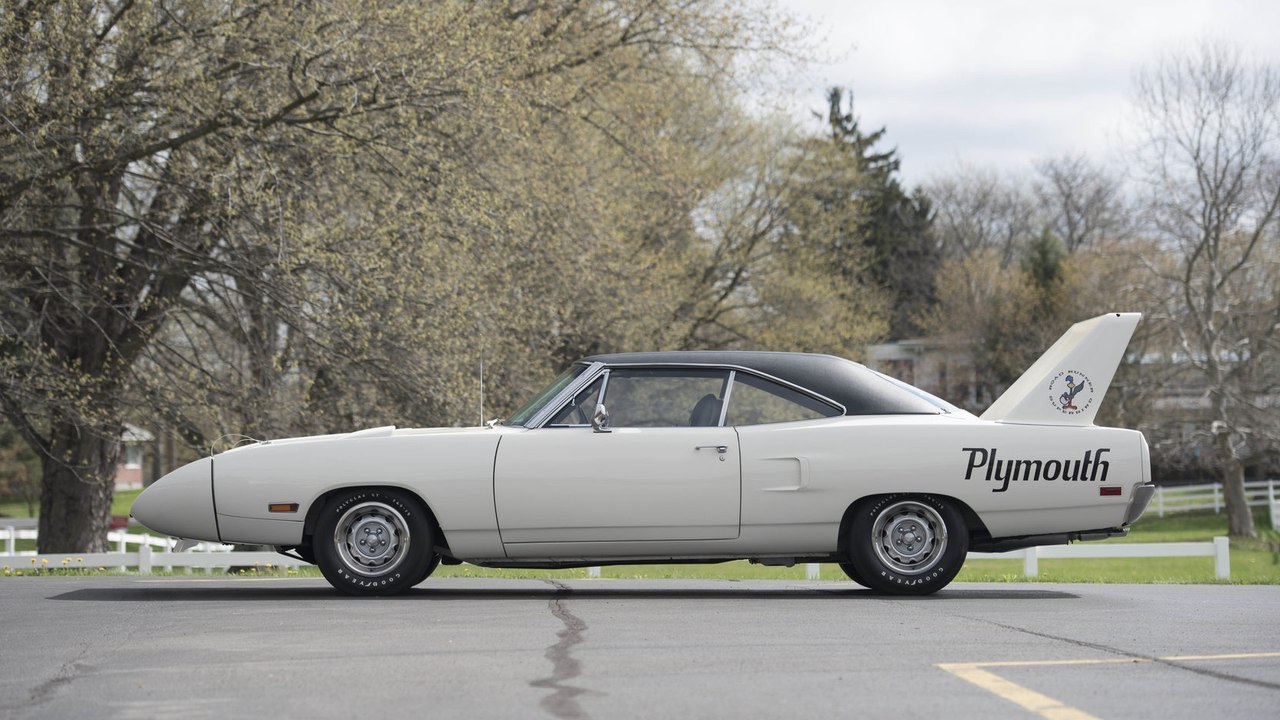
(294, 591)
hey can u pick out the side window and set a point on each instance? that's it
(578, 410)
(756, 401)
(665, 398)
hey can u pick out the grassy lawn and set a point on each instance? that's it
(16, 509)
(1252, 561)
(119, 505)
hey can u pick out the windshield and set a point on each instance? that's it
(531, 408)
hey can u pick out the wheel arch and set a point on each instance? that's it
(973, 524)
(313, 512)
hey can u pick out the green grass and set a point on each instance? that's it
(17, 509)
(122, 501)
(1191, 526)
(1252, 561)
(120, 505)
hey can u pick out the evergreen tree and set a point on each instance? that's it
(892, 227)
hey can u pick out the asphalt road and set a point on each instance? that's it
(140, 647)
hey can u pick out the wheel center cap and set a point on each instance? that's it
(909, 538)
(372, 538)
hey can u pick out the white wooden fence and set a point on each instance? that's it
(1209, 496)
(1219, 549)
(146, 557)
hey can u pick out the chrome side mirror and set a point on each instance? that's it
(600, 419)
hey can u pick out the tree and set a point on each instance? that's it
(1211, 164)
(984, 313)
(295, 198)
(894, 228)
(1002, 289)
(815, 246)
(771, 272)
(1081, 202)
(18, 478)
(977, 209)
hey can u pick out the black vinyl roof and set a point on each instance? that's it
(860, 390)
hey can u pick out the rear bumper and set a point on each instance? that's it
(1142, 495)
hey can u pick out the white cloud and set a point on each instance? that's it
(1006, 82)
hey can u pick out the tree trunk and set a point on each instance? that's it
(1239, 515)
(78, 478)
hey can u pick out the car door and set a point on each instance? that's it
(664, 469)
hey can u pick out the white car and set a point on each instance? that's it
(684, 457)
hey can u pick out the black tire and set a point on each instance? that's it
(907, 544)
(432, 564)
(853, 573)
(374, 542)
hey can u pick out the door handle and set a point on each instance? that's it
(720, 449)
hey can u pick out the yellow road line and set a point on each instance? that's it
(1045, 706)
(1042, 705)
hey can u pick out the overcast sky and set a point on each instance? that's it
(1003, 83)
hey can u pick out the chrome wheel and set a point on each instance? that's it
(909, 537)
(371, 538)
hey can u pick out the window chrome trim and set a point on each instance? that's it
(603, 397)
(556, 403)
(596, 369)
(728, 394)
(740, 368)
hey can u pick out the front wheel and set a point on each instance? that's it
(374, 542)
(907, 544)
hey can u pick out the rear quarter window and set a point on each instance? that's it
(756, 401)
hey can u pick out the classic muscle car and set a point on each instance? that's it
(679, 457)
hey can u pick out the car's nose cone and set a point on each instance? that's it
(180, 504)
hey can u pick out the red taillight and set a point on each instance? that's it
(1110, 491)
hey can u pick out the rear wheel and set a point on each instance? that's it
(907, 544)
(374, 542)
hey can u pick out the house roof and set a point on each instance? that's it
(134, 434)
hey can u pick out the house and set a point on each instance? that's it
(133, 445)
(931, 365)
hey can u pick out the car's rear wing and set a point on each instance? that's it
(1066, 385)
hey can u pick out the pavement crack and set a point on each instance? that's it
(75, 668)
(562, 702)
(1138, 656)
(69, 671)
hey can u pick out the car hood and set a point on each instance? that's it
(374, 432)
